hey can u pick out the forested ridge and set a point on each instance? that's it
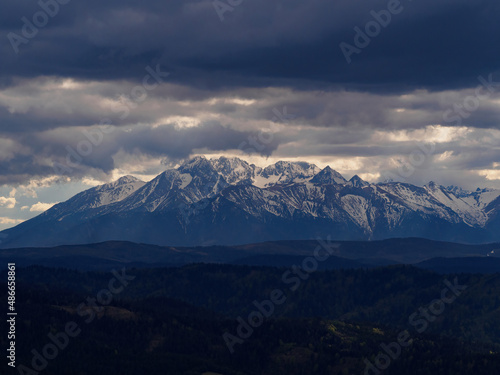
(172, 321)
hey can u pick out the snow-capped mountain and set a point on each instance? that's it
(94, 198)
(284, 172)
(228, 201)
(236, 171)
(357, 181)
(329, 176)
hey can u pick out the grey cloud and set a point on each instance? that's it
(296, 43)
(64, 146)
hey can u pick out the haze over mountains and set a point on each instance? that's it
(228, 201)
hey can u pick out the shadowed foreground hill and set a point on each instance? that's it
(344, 254)
(145, 330)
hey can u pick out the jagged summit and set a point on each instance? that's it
(198, 162)
(234, 170)
(458, 191)
(286, 172)
(357, 181)
(328, 176)
(128, 179)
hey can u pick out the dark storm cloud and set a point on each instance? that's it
(42, 117)
(434, 45)
(62, 148)
(178, 144)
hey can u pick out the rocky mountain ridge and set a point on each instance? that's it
(228, 201)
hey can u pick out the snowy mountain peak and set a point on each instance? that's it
(285, 172)
(458, 191)
(431, 185)
(235, 171)
(96, 197)
(328, 176)
(195, 163)
(229, 162)
(357, 181)
(127, 180)
(291, 168)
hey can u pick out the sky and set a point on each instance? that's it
(91, 90)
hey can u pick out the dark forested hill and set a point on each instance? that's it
(342, 254)
(173, 321)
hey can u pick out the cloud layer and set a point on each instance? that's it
(429, 44)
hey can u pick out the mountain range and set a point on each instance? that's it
(227, 201)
